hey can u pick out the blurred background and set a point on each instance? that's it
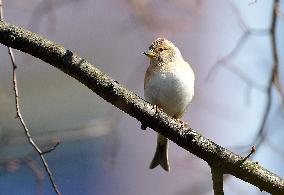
(103, 150)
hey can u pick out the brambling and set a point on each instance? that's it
(168, 84)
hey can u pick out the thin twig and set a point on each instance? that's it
(274, 76)
(19, 115)
(236, 49)
(225, 58)
(27, 132)
(252, 150)
(51, 148)
(273, 81)
(276, 79)
(247, 32)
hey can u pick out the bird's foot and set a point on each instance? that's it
(157, 109)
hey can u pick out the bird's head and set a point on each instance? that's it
(163, 51)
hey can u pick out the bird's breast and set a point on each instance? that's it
(171, 89)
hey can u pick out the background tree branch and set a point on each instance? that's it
(273, 76)
(217, 178)
(110, 90)
(21, 119)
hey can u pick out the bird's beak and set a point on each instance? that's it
(150, 54)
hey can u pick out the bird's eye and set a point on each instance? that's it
(162, 49)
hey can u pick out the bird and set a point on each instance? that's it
(169, 85)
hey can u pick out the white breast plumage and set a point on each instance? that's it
(171, 90)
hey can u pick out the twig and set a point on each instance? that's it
(51, 148)
(217, 178)
(232, 53)
(250, 84)
(106, 87)
(252, 150)
(274, 76)
(247, 32)
(27, 132)
(225, 59)
(19, 115)
(274, 79)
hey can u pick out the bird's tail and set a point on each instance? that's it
(161, 154)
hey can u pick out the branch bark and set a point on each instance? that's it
(217, 178)
(110, 90)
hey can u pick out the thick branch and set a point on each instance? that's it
(129, 102)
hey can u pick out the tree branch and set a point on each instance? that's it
(20, 117)
(129, 102)
(273, 81)
(217, 178)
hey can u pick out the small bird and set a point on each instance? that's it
(168, 84)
